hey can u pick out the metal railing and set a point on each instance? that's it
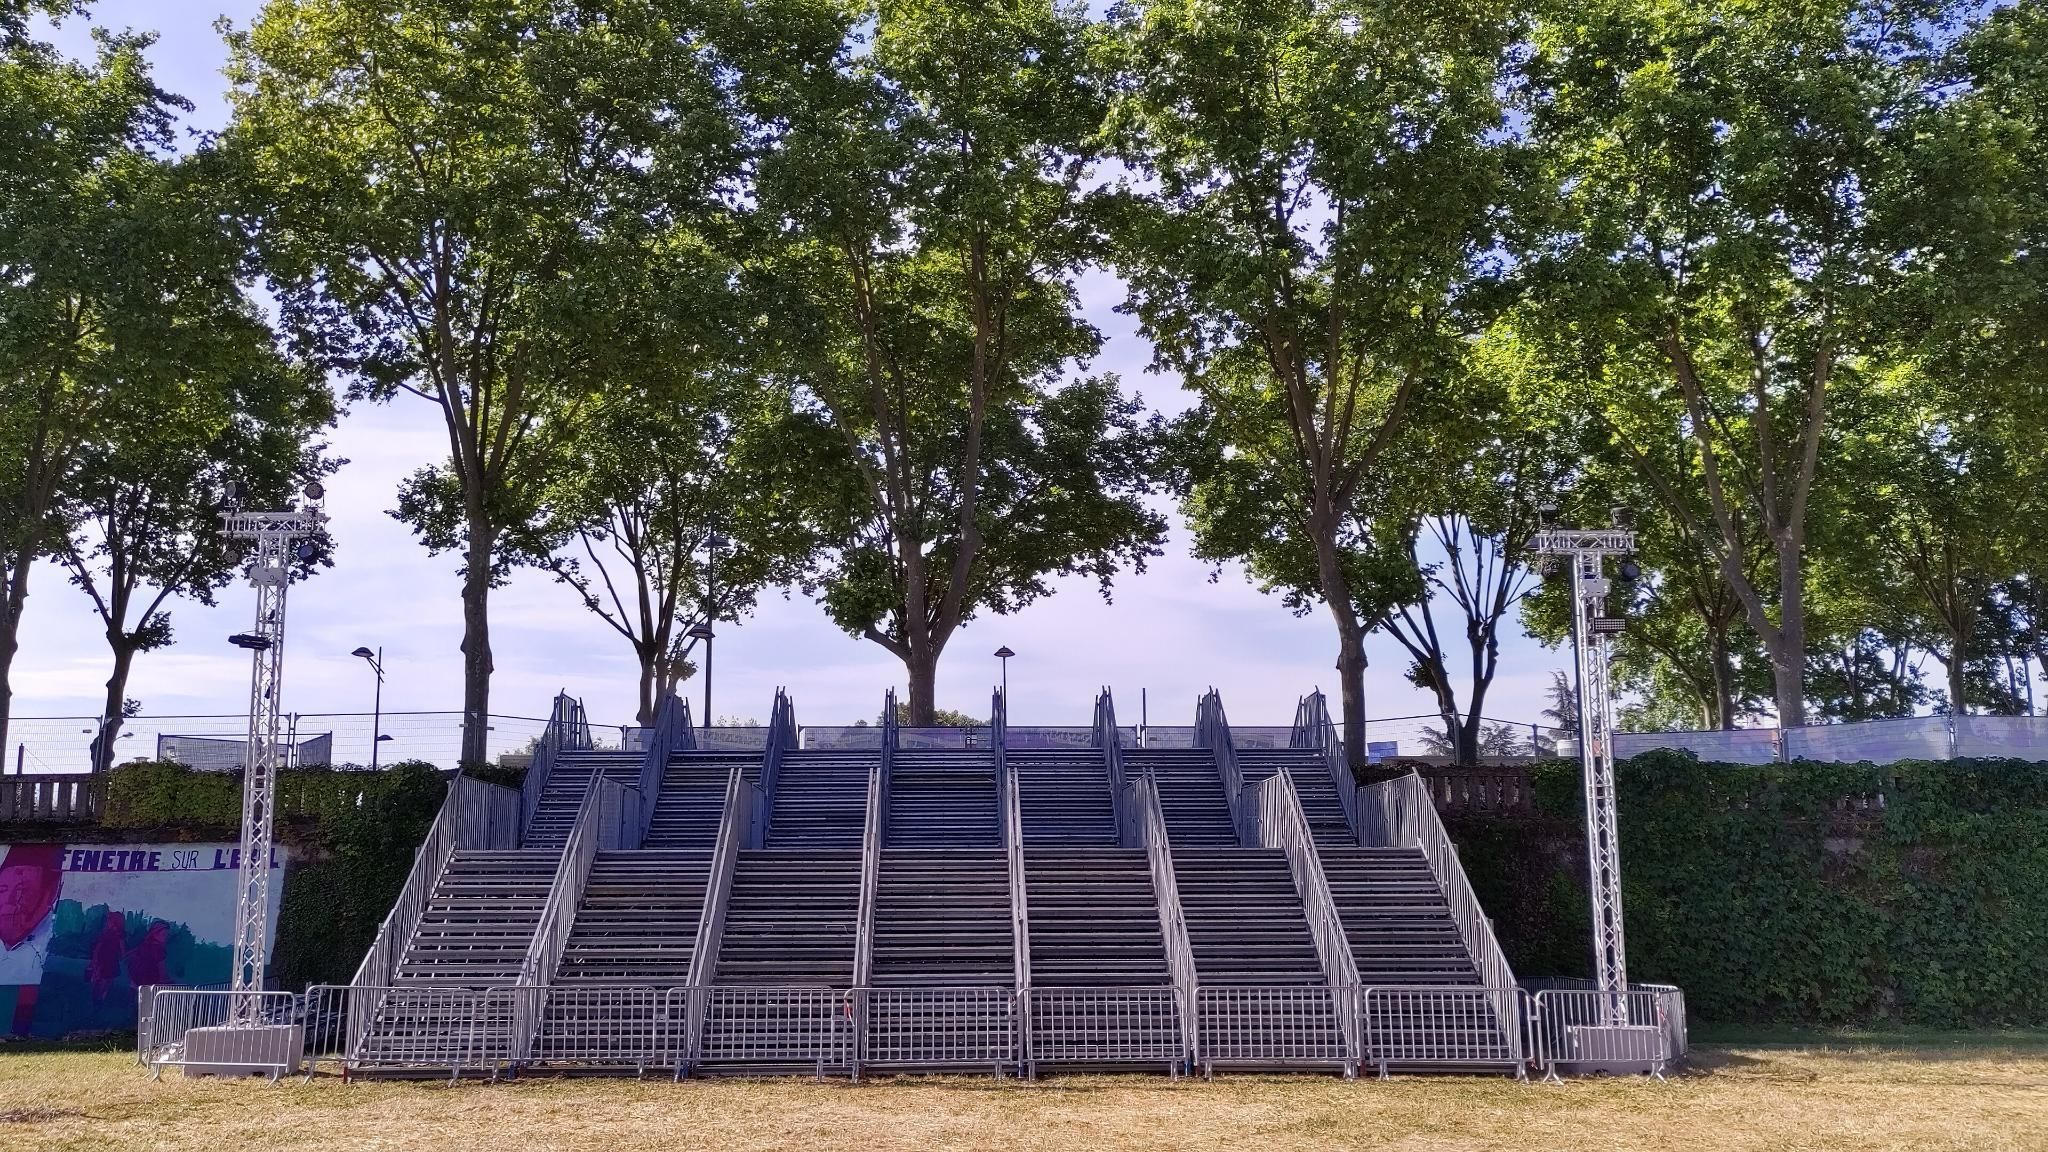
(1451, 1025)
(1313, 728)
(952, 1027)
(1149, 824)
(1105, 1027)
(826, 1029)
(1283, 825)
(777, 1026)
(734, 829)
(615, 1028)
(1272, 1026)
(1109, 740)
(189, 1028)
(782, 737)
(1011, 815)
(1212, 731)
(416, 1029)
(473, 815)
(872, 830)
(610, 816)
(1584, 1029)
(671, 731)
(568, 730)
(1398, 813)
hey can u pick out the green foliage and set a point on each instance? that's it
(924, 226)
(352, 837)
(1782, 893)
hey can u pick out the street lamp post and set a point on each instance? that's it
(1586, 550)
(1004, 655)
(704, 630)
(376, 661)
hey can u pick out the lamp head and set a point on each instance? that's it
(1004, 652)
(364, 653)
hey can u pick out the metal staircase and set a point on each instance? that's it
(1263, 1001)
(1065, 795)
(1312, 785)
(548, 828)
(478, 925)
(692, 799)
(817, 910)
(637, 924)
(1191, 794)
(820, 799)
(778, 997)
(941, 799)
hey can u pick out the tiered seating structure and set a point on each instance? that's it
(933, 901)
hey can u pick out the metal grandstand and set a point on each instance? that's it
(890, 899)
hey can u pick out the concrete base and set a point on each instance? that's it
(271, 1050)
(1613, 1050)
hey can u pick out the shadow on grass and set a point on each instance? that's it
(1921, 1043)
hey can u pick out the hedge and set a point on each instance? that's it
(352, 836)
(1803, 893)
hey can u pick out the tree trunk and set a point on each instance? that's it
(116, 705)
(476, 641)
(1788, 646)
(1722, 706)
(11, 601)
(648, 659)
(1350, 641)
(923, 667)
(1958, 673)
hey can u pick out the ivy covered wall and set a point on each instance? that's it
(1913, 893)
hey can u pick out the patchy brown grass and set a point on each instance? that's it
(1732, 1098)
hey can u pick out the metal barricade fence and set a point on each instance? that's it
(412, 1029)
(1117, 1027)
(1451, 1025)
(1271, 1026)
(957, 1027)
(1642, 1028)
(775, 1026)
(188, 1028)
(616, 1028)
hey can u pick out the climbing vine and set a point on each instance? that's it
(1914, 893)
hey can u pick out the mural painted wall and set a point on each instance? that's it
(83, 925)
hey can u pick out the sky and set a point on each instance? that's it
(1172, 632)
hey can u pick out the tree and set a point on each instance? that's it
(923, 226)
(1323, 190)
(77, 141)
(631, 531)
(1727, 180)
(1483, 455)
(437, 183)
(204, 398)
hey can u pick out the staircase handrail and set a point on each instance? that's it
(1400, 814)
(734, 830)
(1212, 731)
(782, 736)
(1150, 822)
(607, 817)
(474, 815)
(568, 730)
(872, 830)
(1313, 728)
(1010, 806)
(1283, 825)
(684, 731)
(654, 758)
(1107, 736)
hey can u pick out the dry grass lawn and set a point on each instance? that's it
(1980, 1098)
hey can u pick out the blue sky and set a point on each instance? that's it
(1172, 631)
